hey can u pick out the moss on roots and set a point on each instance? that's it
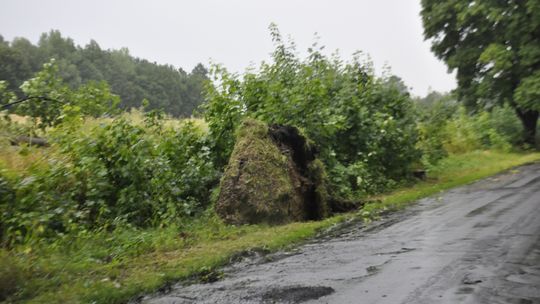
(272, 177)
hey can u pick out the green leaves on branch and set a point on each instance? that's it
(527, 94)
(494, 46)
(106, 175)
(54, 101)
(355, 118)
(446, 127)
(6, 96)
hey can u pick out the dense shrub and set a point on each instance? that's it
(504, 122)
(363, 125)
(50, 99)
(495, 129)
(432, 119)
(115, 173)
(445, 127)
(11, 275)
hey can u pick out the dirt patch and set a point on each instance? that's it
(304, 167)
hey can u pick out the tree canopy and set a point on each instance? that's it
(362, 124)
(495, 48)
(165, 87)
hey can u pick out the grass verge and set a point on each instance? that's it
(456, 170)
(112, 267)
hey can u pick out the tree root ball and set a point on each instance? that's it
(272, 177)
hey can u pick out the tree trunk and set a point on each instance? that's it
(31, 141)
(529, 119)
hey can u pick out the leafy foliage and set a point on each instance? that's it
(50, 99)
(362, 124)
(117, 173)
(6, 96)
(495, 48)
(446, 128)
(173, 90)
(434, 112)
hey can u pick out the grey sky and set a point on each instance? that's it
(235, 32)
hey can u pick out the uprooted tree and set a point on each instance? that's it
(495, 48)
(363, 125)
(272, 177)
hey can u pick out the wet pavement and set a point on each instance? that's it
(474, 244)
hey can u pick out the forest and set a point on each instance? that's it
(120, 198)
(171, 89)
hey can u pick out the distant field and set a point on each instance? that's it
(14, 161)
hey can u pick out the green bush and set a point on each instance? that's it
(432, 117)
(356, 119)
(116, 173)
(50, 100)
(7, 196)
(445, 128)
(497, 129)
(462, 133)
(505, 123)
(11, 275)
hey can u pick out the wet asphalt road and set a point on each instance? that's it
(474, 244)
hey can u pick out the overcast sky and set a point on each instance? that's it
(235, 32)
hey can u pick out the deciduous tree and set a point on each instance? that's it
(495, 48)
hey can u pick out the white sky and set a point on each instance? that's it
(235, 32)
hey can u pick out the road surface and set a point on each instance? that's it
(474, 244)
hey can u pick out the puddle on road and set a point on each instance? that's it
(402, 250)
(296, 294)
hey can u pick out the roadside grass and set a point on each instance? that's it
(453, 171)
(113, 267)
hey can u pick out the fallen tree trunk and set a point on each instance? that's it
(28, 140)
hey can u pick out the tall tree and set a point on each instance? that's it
(494, 45)
(133, 79)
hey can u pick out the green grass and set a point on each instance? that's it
(451, 172)
(112, 267)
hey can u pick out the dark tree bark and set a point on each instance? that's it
(31, 141)
(529, 120)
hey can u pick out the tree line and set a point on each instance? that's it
(171, 89)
